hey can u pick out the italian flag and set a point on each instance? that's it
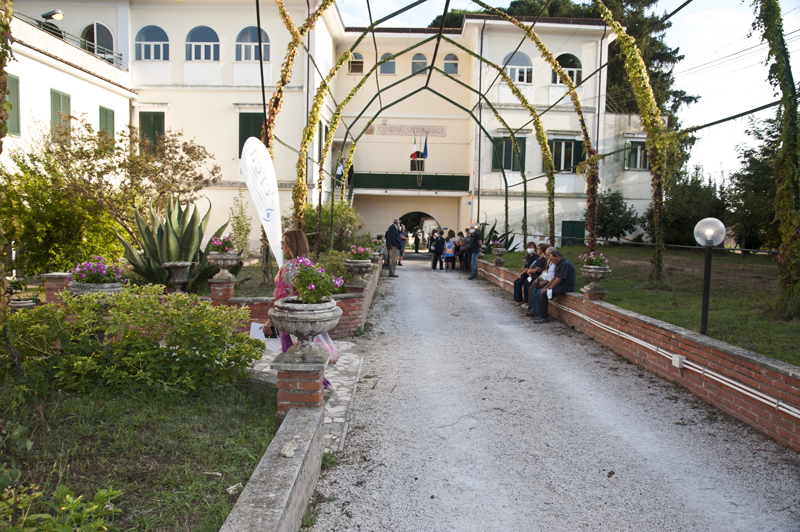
(414, 153)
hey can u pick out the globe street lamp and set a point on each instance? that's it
(708, 232)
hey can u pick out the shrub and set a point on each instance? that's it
(240, 224)
(346, 226)
(133, 340)
(615, 217)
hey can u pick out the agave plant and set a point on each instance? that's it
(175, 238)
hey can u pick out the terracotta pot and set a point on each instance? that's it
(292, 316)
(223, 261)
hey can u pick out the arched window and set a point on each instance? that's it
(247, 45)
(572, 66)
(356, 65)
(388, 66)
(419, 63)
(451, 64)
(152, 44)
(98, 40)
(519, 68)
(202, 44)
(417, 162)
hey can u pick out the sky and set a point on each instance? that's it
(722, 64)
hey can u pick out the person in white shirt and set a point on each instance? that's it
(541, 282)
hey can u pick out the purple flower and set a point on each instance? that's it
(312, 287)
(83, 275)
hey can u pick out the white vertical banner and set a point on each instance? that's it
(258, 173)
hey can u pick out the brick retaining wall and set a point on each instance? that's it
(762, 392)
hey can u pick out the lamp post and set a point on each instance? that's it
(708, 232)
(55, 14)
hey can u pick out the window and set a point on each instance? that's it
(419, 63)
(14, 127)
(388, 66)
(202, 44)
(356, 65)
(636, 156)
(566, 154)
(152, 44)
(151, 126)
(107, 121)
(59, 114)
(519, 67)
(418, 163)
(570, 64)
(250, 125)
(503, 156)
(98, 40)
(451, 64)
(247, 45)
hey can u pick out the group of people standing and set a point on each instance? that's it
(546, 274)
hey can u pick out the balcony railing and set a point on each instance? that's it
(411, 181)
(110, 56)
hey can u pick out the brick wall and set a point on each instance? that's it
(758, 390)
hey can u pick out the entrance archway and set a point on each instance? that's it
(421, 223)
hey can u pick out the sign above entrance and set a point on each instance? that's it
(410, 131)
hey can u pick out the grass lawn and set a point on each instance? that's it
(171, 456)
(742, 291)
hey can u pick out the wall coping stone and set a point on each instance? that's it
(246, 300)
(279, 365)
(779, 366)
(277, 492)
(56, 275)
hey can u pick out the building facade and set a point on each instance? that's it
(194, 66)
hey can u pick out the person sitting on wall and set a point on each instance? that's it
(562, 282)
(547, 274)
(531, 275)
(521, 283)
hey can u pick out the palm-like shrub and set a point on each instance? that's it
(175, 238)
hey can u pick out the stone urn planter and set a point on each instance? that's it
(79, 289)
(376, 257)
(178, 275)
(595, 274)
(223, 261)
(303, 321)
(17, 304)
(498, 256)
(359, 268)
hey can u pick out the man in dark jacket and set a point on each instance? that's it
(393, 242)
(438, 249)
(475, 245)
(563, 281)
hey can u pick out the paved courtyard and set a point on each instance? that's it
(469, 417)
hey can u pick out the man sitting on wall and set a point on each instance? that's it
(562, 282)
(521, 282)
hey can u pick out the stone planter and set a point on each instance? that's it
(223, 261)
(18, 304)
(178, 275)
(595, 274)
(79, 289)
(359, 268)
(498, 254)
(292, 316)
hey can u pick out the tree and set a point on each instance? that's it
(346, 224)
(50, 228)
(687, 200)
(751, 189)
(126, 172)
(615, 217)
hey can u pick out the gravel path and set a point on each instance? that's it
(469, 417)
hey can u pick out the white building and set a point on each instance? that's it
(193, 66)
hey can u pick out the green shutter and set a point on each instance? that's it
(497, 154)
(552, 145)
(516, 164)
(627, 156)
(59, 103)
(249, 126)
(13, 98)
(151, 126)
(577, 155)
(107, 121)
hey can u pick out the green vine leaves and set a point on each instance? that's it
(6, 13)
